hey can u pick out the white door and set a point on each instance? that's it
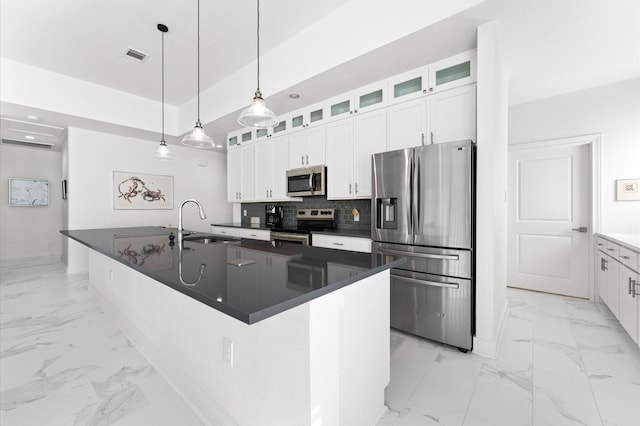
(548, 203)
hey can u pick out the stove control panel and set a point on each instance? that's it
(316, 214)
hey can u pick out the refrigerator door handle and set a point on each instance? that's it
(417, 227)
(409, 202)
(424, 255)
(425, 282)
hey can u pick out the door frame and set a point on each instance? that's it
(594, 141)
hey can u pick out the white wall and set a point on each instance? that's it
(614, 111)
(30, 231)
(94, 156)
(491, 208)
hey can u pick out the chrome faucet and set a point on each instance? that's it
(180, 227)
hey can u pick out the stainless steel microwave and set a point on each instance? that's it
(307, 181)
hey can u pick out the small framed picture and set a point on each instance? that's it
(628, 190)
(28, 192)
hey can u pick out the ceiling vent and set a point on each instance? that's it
(29, 144)
(136, 55)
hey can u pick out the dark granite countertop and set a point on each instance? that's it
(361, 233)
(270, 279)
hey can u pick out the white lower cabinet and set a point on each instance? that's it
(630, 301)
(618, 283)
(350, 144)
(237, 232)
(341, 242)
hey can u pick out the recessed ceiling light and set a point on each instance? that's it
(33, 117)
(218, 146)
(29, 137)
(294, 95)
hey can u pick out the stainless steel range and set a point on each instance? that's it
(423, 209)
(307, 220)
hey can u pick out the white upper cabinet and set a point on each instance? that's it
(241, 174)
(452, 115)
(430, 104)
(271, 168)
(371, 97)
(408, 124)
(409, 85)
(350, 144)
(370, 138)
(307, 148)
(340, 107)
(340, 160)
(457, 70)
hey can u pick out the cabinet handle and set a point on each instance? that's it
(302, 160)
(355, 111)
(267, 193)
(307, 157)
(270, 193)
(341, 244)
(581, 229)
(630, 289)
(223, 232)
(356, 187)
(252, 235)
(625, 257)
(600, 244)
(422, 139)
(431, 89)
(349, 189)
(431, 138)
(610, 249)
(604, 266)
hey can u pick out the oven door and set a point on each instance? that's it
(290, 237)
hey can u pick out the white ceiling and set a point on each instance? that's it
(550, 47)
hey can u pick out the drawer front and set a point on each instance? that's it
(630, 258)
(601, 244)
(613, 250)
(341, 243)
(429, 260)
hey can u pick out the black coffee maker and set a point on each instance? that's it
(273, 216)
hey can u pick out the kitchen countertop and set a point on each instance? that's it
(631, 241)
(361, 233)
(270, 280)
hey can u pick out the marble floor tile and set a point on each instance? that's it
(562, 361)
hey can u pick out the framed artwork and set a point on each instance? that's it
(139, 191)
(28, 192)
(628, 190)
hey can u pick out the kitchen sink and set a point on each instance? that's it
(207, 239)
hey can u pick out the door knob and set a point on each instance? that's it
(581, 229)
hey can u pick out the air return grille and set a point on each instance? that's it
(30, 144)
(136, 55)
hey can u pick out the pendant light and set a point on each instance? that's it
(197, 138)
(257, 115)
(163, 153)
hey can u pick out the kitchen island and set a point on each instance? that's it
(249, 332)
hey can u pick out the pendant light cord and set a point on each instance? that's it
(258, 45)
(163, 86)
(198, 60)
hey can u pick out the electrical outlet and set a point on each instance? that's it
(227, 351)
(245, 212)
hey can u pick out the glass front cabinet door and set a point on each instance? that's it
(455, 71)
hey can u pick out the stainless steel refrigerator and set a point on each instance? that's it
(423, 208)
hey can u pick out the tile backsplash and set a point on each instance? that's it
(344, 218)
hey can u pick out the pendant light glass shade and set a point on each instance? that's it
(163, 153)
(197, 138)
(257, 115)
